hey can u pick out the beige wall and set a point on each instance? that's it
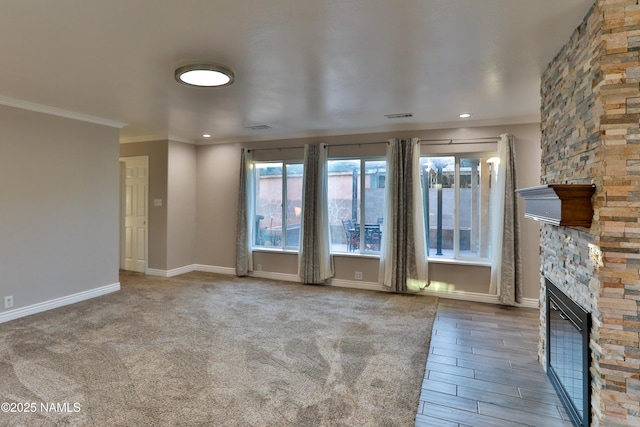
(172, 179)
(59, 206)
(181, 205)
(218, 169)
(158, 152)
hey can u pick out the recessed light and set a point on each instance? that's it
(204, 75)
(206, 135)
(464, 115)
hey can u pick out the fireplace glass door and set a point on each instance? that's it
(568, 353)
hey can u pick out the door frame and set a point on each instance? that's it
(123, 181)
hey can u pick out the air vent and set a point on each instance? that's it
(398, 116)
(258, 127)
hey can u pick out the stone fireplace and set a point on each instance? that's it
(590, 122)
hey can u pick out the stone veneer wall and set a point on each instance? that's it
(591, 134)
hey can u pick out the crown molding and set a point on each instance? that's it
(45, 109)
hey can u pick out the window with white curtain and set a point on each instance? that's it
(457, 198)
(278, 204)
(356, 204)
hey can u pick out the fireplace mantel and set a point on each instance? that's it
(559, 204)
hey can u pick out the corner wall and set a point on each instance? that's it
(158, 152)
(181, 205)
(172, 225)
(59, 212)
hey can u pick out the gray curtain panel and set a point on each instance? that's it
(403, 264)
(244, 228)
(511, 269)
(315, 265)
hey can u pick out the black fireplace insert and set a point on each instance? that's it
(568, 356)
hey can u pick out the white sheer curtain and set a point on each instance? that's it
(246, 215)
(315, 264)
(506, 267)
(403, 256)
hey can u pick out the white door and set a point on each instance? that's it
(135, 204)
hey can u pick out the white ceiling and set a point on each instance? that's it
(303, 67)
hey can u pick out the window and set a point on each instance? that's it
(356, 204)
(456, 202)
(277, 223)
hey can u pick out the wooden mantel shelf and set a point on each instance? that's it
(559, 204)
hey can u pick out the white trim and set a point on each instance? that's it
(275, 276)
(214, 269)
(58, 302)
(125, 159)
(155, 272)
(369, 286)
(478, 297)
(180, 270)
(341, 283)
(188, 269)
(170, 273)
(530, 303)
(39, 108)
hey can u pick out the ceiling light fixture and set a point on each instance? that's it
(206, 135)
(204, 75)
(464, 115)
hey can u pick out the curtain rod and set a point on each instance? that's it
(451, 141)
(440, 141)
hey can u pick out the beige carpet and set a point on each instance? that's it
(211, 350)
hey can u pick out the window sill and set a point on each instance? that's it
(275, 250)
(355, 255)
(460, 262)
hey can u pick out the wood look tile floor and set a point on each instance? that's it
(483, 370)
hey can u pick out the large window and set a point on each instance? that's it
(356, 204)
(278, 204)
(457, 196)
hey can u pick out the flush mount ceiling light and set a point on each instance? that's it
(464, 115)
(204, 75)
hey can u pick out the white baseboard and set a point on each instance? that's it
(341, 283)
(170, 273)
(214, 269)
(58, 302)
(275, 276)
(260, 274)
(188, 269)
(155, 272)
(530, 303)
(477, 297)
(356, 284)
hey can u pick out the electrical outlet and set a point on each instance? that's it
(358, 275)
(259, 267)
(8, 301)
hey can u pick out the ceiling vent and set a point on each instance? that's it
(398, 116)
(258, 127)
